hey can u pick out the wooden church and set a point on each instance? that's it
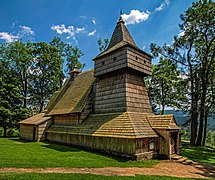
(107, 109)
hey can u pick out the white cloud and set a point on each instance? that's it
(79, 30)
(162, 6)
(27, 30)
(135, 16)
(93, 21)
(62, 29)
(91, 33)
(69, 31)
(8, 37)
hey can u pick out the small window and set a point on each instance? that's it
(144, 61)
(151, 145)
(114, 58)
(136, 58)
(103, 62)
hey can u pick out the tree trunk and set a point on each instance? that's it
(205, 129)
(41, 106)
(25, 94)
(202, 113)
(193, 114)
(5, 131)
(163, 99)
(163, 108)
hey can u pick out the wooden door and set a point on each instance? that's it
(172, 146)
(173, 143)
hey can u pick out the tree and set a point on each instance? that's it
(60, 46)
(19, 54)
(166, 85)
(103, 44)
(72, 57)
(195, 51)
(45, 72)
(11, 99)
(199, 21)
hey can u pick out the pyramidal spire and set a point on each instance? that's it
(120, 33)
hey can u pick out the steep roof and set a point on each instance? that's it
(120, 33)
(120, 38)
(166, 121)
(35, 120)
(73, 95)
(121, 125)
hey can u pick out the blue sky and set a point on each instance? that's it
(83, 22)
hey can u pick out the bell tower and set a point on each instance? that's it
(120, 72)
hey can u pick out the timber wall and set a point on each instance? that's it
(137, 149)
(119, 146)
(125, 57)
(110, 94)
(41, 134)
(136, 94)
(110, 62)
(163, 141)
(67, 119)
(138, 61)
(26, 132)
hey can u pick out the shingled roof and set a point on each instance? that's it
(121, 125)
(35, 120)
(120, 38)
(73, 95)
(166, 121)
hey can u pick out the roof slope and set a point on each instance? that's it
(35, 120)
(120, 33)
(120, 38)
(52, 100)
(73, 95)
(166, 121)
(121, 125)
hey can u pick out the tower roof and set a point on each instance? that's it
(120, 38)
(120, 34)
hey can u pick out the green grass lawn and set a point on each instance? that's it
(18, 153)
(39, 176)
(199, 154)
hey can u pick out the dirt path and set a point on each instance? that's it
(164, 168)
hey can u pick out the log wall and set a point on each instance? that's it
(137, 99)
(41, 134)
(26, 132)
(139, 61)
(119, 146)
(110, 94)
(110, 62)
(163, 141)
(125, 57)
(135, 149)
(67, 119)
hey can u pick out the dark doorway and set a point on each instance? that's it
(173, 143)
(34, 134)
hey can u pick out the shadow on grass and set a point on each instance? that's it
(18, 140)
(73, 148)
(199, 154)
(59, 147)
(204, 158)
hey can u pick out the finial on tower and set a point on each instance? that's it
(120, 18)
(121, 12)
